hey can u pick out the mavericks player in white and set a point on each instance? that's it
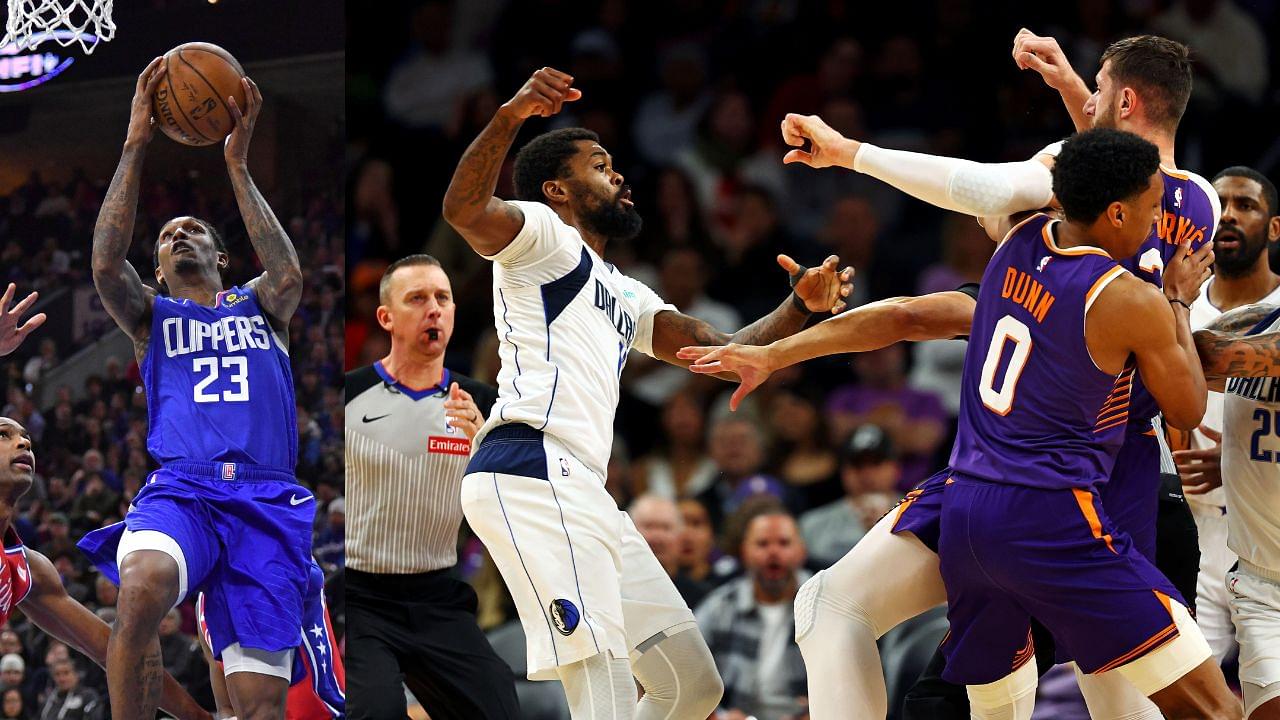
(1241, 277)
(1251, 447)
(595, 604)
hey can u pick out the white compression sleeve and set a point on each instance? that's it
(978, 189)
(599, 688)
(1012, 697)
(840, 614)
(678, 675)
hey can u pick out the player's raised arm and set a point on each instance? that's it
(936, 316)
(50, 607)
(1042, 54)
(279, 288)
(124, 296)
(964, 186)
(488, 223)
(1226, 352)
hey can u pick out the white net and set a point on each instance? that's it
(66, 22)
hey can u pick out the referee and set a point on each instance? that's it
(408, 427)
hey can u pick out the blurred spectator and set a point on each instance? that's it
(37, 366)
(737, 447)
(749, 623)
(13, 677)
(965, 252)
(667, 119)
(68, 700)
(183, 658)
(748, 268)
(659, 522)
(426, 87)
(1229, 47)
(804, 459)
(679, 466)
(916, 421)
(869, 472)
(330, 547)
(681, 282)
(15, 706)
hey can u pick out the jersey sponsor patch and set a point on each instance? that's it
(565, 615)
(448, 445)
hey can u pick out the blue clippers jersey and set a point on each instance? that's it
(219, 386)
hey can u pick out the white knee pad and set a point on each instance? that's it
(236, 659)
(1159, 668)
(806, 605)
(1012, 697)
(678, 674)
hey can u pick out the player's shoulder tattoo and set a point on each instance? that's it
(1242, 318)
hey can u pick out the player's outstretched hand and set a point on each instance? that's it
(1042, 54)
(236, 147)
(1201, 470)
(141, 123)
(1187, 271)
(752, 364)
(826, 146)
(11, 333)
(546, 91)
(823, 288)
(461, 411)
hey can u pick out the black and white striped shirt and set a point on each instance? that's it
(404, 468)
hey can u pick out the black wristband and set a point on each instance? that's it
(1183, 304)
(795, 300)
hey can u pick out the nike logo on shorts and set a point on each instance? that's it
(368, 419)
(295, 500)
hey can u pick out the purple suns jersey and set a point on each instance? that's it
(1034, 409)
(1190, 210)
(218, 382)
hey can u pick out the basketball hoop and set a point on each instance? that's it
(31, 22)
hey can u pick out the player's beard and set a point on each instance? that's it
(1238, 261)
(612, 219)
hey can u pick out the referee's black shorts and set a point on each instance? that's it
(420, 630)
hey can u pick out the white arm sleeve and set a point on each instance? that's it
(978, 189)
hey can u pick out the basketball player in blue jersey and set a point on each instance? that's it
(224, 513)
(594, 602)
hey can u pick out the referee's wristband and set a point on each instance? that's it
(1176, 301)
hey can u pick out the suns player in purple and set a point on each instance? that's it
(1143, 86)
(224, 513)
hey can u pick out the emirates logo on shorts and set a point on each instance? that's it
(448, 445)
(565, 615)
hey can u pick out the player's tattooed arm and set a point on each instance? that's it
(1231, 355)
(123, 295)
(50, 607)
(486, 222)
(279, 288)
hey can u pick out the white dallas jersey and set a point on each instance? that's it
(1202, 313)
(566, 320)
(1251, 463)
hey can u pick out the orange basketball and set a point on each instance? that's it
(190, 103)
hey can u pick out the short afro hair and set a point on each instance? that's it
(1098, 167)
(1161, 70)
(543, 158)
(1268, 188)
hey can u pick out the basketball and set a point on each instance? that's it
(190, 104)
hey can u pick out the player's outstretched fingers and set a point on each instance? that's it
(697, 352)
(7, 297)
(32, 323)
(23, 306)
